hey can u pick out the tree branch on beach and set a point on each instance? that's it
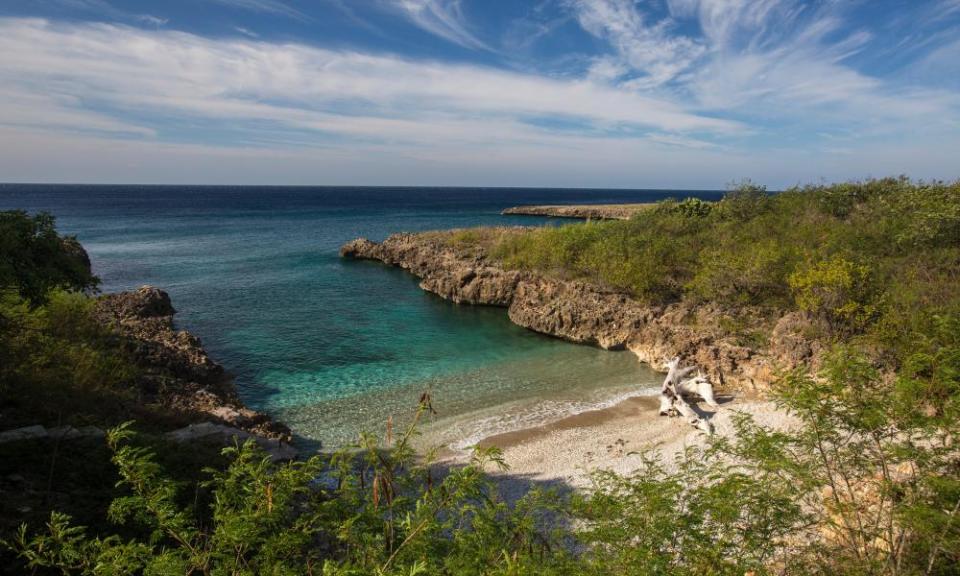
(671, 399)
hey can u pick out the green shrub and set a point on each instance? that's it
(34, 259)
(838, 290)
(755, 275)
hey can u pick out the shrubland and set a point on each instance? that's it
(876, 259)
(868, 482)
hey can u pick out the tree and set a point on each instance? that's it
(35, 259)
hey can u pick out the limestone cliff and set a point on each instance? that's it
(175, 369)
(585, 313)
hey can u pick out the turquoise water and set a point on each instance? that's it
(327, 345)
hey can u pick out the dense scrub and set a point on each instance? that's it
(868, 483)
(878, 257)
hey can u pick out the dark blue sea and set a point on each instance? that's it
(329, 346)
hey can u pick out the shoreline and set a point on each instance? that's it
(581, 211)
(617, 438)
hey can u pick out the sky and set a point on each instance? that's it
(566, 93)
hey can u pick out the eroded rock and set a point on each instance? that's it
(176, 370)
(588, 314)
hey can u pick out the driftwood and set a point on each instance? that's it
(675, 385)
(699, 386)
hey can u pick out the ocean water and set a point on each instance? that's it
(331, 346)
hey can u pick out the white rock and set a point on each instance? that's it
(227, 434)
(26, 433)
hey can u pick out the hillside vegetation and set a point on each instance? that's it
(879, 258)
(869, 483)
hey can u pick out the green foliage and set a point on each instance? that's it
(838, 290)
(865, 257)
(704, 517)
(867, 481)
(60, 364)
(387, 514)
(34, 259)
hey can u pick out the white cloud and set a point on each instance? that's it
(246, 32)
(777, 61)
(650, 49)
(443, 18)
(266, 7)
(173, 75)
(101, 102)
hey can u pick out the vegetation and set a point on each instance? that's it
(34, 259)
(862, 258)
(868, 482)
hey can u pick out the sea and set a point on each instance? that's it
(333, 347)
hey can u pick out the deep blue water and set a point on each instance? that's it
(333, 346)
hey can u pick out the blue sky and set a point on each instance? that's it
(598, 93)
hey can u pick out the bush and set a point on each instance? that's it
(34, 259)
(842, 292)
(885, 253)
(865, 482)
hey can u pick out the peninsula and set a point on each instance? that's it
(581, 211)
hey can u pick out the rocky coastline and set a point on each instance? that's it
(175, 370)
(584, 313)
(580, 211)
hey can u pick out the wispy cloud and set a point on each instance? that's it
(266, 7)
(176, 75)
(699, 92)
(443, 18)
(106, 9)
(650, 49)
(246, 32)
(777, 60)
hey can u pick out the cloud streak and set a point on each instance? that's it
(443, 18)
(783, 61)
(703, 89)
(274, 7)
(174, 75)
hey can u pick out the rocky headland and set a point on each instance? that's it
(589, 314)
(581, 211)
(175, 370)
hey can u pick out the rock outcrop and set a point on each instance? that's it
(582, 211)
(176, 371)
(588, 314)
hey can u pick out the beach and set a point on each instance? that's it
(565, 452)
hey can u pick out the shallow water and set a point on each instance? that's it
(330, 346)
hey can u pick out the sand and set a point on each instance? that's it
(565, 452)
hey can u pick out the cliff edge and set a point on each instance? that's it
(176, 371)
(589, 314)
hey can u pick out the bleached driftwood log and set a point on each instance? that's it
(671, 399)
(700, 386)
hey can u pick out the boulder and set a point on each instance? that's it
(35, 432)
(226, 435)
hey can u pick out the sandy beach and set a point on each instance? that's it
(567, 451)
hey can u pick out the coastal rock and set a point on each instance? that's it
(38, 432)
(207, 431)
(583, 211)
(589, 314)
(26, 433)
(175, 369)
(77, 252)
(440, 268)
